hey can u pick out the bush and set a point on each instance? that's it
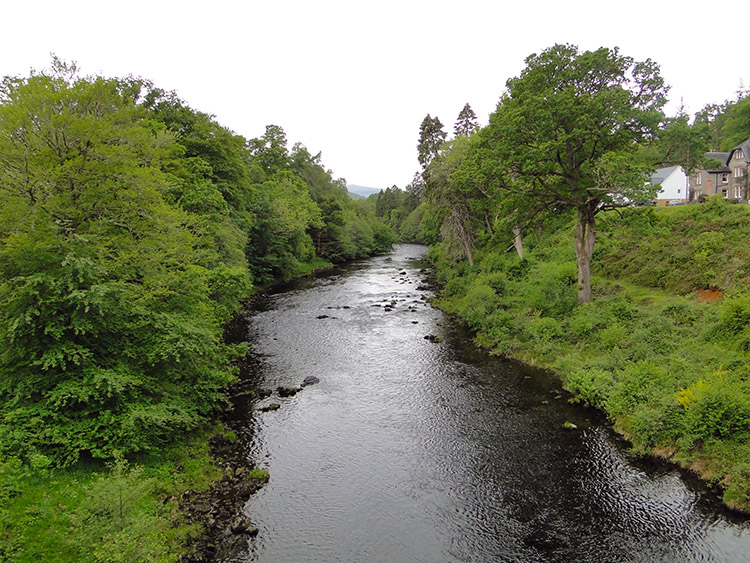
(586, 320)
(637, 384)
(456, 287)
(716, 408)
(591, 385)
(614, 336)
(734, 314)
(478, 304)
(543, 329)
(551, 289)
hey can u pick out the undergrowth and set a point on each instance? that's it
(122, 511)
(670, 370)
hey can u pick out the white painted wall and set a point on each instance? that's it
(674, 186)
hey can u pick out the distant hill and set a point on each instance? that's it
(361, 191)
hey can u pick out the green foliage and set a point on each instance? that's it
(131, 226)
(542, 331)
(478, 304)
(683, 249)
(716, 408)
(736, 127)
(466, 122)
(431, 138)
(650, 360)
(551, 289)
(94, 513)
(591, 385)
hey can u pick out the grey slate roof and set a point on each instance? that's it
(721, 156)
(745, 146)
(662, 174)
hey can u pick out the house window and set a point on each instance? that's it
(699, 178)
(738, 172)
(725, 178)
(738, 192)
(739, 154)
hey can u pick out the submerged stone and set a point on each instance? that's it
(287, 391)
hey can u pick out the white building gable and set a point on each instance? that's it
(673, 181)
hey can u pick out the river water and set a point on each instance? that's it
(417, 447)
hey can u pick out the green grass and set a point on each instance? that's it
(123, 511)
(672, 372)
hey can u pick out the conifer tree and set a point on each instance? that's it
(466, 123)
(431, 138)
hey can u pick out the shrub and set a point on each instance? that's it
(635, 385)
(551, 289)
(497, 281)
(614, 336)
(735, 313)
(591, 385)
(478, 304)
(456, 287)
(585, 320)
(498, 327)
(543, 329)
(717, 408)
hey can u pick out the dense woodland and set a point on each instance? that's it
(131, 227)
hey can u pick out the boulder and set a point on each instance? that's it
(241, 524)
(310, 380)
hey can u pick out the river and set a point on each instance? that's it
(417, 447)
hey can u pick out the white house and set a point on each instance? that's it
(674, 185)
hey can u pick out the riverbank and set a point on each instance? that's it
(183, 503)
(669, 366)
(416, 445)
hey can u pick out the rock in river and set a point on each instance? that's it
(310, 380)
(287, 391)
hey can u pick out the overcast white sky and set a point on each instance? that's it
(354, 79)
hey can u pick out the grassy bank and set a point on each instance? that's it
(663, 349)
(94, 512)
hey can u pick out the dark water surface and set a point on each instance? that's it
(427, 450)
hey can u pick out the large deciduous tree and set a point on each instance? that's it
(109, 331)
(569, 127)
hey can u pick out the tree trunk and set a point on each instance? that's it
(585, 239)
(462, 232)
(518, 241)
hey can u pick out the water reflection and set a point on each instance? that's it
(415, 446)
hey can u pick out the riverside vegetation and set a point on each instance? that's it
(131, 228)
(642, 312)
(668, 366)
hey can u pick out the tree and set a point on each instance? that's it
(452, 195)
(467, 123)
(678, 143)
(431, 138)
(110, 322)
(568, 129)
(714, 116)
(737, 125)
(270, 150)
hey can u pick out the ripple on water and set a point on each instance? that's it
(417, 450)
